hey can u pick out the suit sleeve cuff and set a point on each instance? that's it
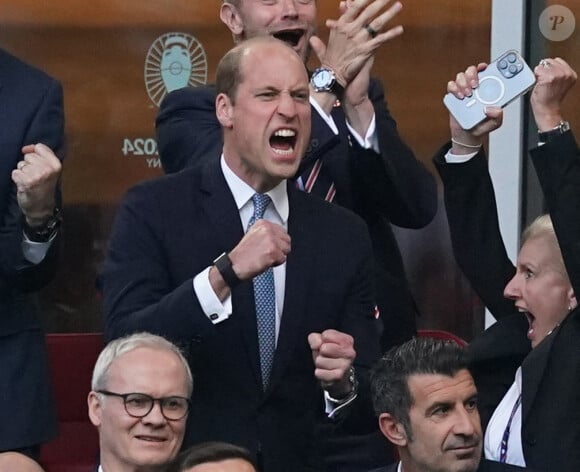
(216, 310)
(333, 406)
(35, 252)
(451, 158)
(371, 140)
(327, 118)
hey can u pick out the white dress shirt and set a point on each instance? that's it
(369, 141)
(35, 252)
(277, 212)
(498, 423)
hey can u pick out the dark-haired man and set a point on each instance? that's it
(426, 401)
(213, 457)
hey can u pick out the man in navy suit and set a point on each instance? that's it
(426, 402)
(275, 309)
(31, 112)
(355, 156)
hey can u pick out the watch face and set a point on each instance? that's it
(322, 79)
(564, 126)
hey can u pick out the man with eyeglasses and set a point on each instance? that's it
(139, 402)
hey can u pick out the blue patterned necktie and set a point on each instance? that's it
(265, 298)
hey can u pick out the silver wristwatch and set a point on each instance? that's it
(559, 129)
(323, 79)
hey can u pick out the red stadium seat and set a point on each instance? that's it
(72, 358)
(441, 334)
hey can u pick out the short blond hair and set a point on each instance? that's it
(543, 228)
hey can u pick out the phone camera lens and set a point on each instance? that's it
(502, 64)
(511, 57)
(513, 69)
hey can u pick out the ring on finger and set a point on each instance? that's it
(544, 63)
(371, 31)
(21, 165)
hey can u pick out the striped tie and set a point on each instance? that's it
(316, 183)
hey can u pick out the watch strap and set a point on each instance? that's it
(337, 89)
(224, 266)
(353, 388)
(558, 130)
(45, 232)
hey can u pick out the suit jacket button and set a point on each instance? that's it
(213, 316)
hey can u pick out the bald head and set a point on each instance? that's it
(14, 461)
(229, 73)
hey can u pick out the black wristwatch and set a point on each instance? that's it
(224, 266)
(560, 129)
(324, 80)
(45, 232)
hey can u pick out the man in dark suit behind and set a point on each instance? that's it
(426, 402)
(355, 156)
(31, 112)
(287, 308)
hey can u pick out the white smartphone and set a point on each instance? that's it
(504, 80)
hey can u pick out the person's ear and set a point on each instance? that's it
(230, 16)
(393, 430)
(224, 110)
(95, 408)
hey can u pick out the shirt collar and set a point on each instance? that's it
(243, 193)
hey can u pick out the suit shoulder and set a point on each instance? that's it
(331, 213)
(189, 95)
(166, 188)
(375, 86)
(17, 72)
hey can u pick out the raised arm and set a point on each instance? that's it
(557, 161)
(471, 206)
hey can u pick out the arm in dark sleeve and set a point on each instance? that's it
(187, 128)
(360, 322)
(394, 181)
(47, 127)
(474, 227)
(558, 167)
(138, 288)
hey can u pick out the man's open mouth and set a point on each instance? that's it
(283, 141)
(290, 36)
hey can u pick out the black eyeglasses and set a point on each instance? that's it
(139, 405)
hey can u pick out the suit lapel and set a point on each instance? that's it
(322, 140)
(533, 369)
(298, 266)
(220, 207)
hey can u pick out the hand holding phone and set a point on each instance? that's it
(500, 83)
